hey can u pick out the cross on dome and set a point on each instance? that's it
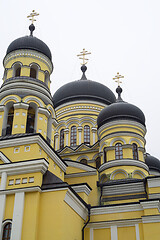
(117, 78)
(83, 54)
(32, 15)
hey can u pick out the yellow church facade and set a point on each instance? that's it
(72, 165)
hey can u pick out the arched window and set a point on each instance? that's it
(7, 231)
(87, 134)
(30, 120)
(62, 138)
(73, 136)
(10, 121)
(46, 80)
(84, 161)
(104, 155)
(33, 72)
(18, 72)
(118, 151)
(135, 151)
(98, 162)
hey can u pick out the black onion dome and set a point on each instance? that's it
(119, 111)
(32, 43)
(83, 90)
(152, 162)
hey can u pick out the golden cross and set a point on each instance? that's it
(117, 77)
(83, 54)
(32, 15)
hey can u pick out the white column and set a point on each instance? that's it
(80, 135)
(56, 141)
(114, 235)
(2, 200)
(94, 134)
(91, 233)
(66, 131)
(17, 216)
(137, 232)
(3, 181)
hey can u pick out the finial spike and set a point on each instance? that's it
(82, 56)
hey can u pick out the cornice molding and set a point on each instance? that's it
(123, 162)
(82, 188)
(83, 174)
(5, 143)
(79, 165)
(28, 53)
(38, 165)
(76, 204)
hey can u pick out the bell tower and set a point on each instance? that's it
(26, 103)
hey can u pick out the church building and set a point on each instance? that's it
(73, 164)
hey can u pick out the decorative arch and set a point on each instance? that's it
(82, 157)
(117, 139)
(46, 79)
(17, 69)
(103, 178)
(31, 124)
(6, 229)
(33, 99)
(138, 172)
(135, 140)
(118, 171)
(34, 68)
(73, 122)
(51, 110)
(103, 146)
(13, 98)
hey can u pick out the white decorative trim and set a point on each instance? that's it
(153, 182)
(19, 190)
(3, 158)
(6, 99)
(117, 139)
(83, 174)
(154, 195)
(122, 122)
(29, 53)
(2, 211)
(30, 140)
(79, 165)
(151, 219)
(76, 204)
(135, 140)
(3, 180)
(39, 165)
(44, 111)
(82, 157)
(151, 204)
(17, 216)
(91, 233)
(21, 105)
(82, 188)
(2, 108)
(35, 99)
(114, 234)
(123, 162)
(118, 223)
(137, 231)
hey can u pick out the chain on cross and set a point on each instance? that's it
(32, 15)
(82, 56)
(117, 78)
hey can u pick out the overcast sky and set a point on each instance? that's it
(122, 35)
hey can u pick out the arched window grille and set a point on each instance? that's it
(87, 134)
(10, 121)
(62, 138)
(118, 151)
(30, 120)
(135, 151)
(84, 161)
(73, 136)
(7, 231)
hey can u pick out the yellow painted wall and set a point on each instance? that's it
(101, 234)
(126, 233)
(8, 214)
